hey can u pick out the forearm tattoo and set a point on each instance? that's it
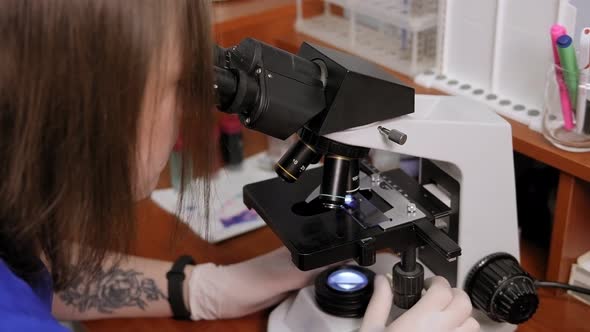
(111, 290)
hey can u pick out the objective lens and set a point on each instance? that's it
(354, 179)
(347, 280)
(335, 180)
(295, 161)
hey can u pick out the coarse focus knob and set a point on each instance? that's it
(500, 287)
(407, 285)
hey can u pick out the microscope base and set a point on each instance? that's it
(299, 312)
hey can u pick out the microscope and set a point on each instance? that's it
(457, 219)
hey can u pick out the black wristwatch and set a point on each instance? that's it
(175, 287)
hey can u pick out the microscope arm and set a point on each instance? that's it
(475, 147)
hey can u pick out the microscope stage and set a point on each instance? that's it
(317, 236)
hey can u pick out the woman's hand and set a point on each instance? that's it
(441, 309)
(217, 292)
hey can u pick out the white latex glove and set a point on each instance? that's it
(218, 292)
(441, 309)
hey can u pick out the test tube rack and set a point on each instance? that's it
(397, 34)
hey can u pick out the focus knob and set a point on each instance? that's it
(499, 286)
(407, 285)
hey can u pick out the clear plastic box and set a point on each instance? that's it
(397, 34)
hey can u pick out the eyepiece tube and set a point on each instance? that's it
(226, 87)
(219, 56)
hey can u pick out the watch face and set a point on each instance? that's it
(347, 280)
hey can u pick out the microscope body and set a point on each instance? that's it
(458, 218)
(466, 162)
(472, 146)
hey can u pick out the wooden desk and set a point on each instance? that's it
(557, 312)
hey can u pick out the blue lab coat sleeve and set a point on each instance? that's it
(26, 306)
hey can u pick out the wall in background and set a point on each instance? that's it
(583, 18)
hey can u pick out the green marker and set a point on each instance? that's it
(569, 64)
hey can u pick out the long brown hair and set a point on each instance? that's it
(72, 81)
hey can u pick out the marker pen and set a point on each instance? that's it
(584, 85)
(566, 106)
(567, 57)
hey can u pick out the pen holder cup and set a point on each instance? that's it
(566, 119)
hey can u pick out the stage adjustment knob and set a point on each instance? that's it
(407, 285)
(498, 286)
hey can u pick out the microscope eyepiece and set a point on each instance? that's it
(273, 91)
(225, 86)
(296, 160)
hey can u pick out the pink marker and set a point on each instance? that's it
(566, 105)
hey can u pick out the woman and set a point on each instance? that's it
(93, 94)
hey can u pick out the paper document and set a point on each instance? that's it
(228, 214)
